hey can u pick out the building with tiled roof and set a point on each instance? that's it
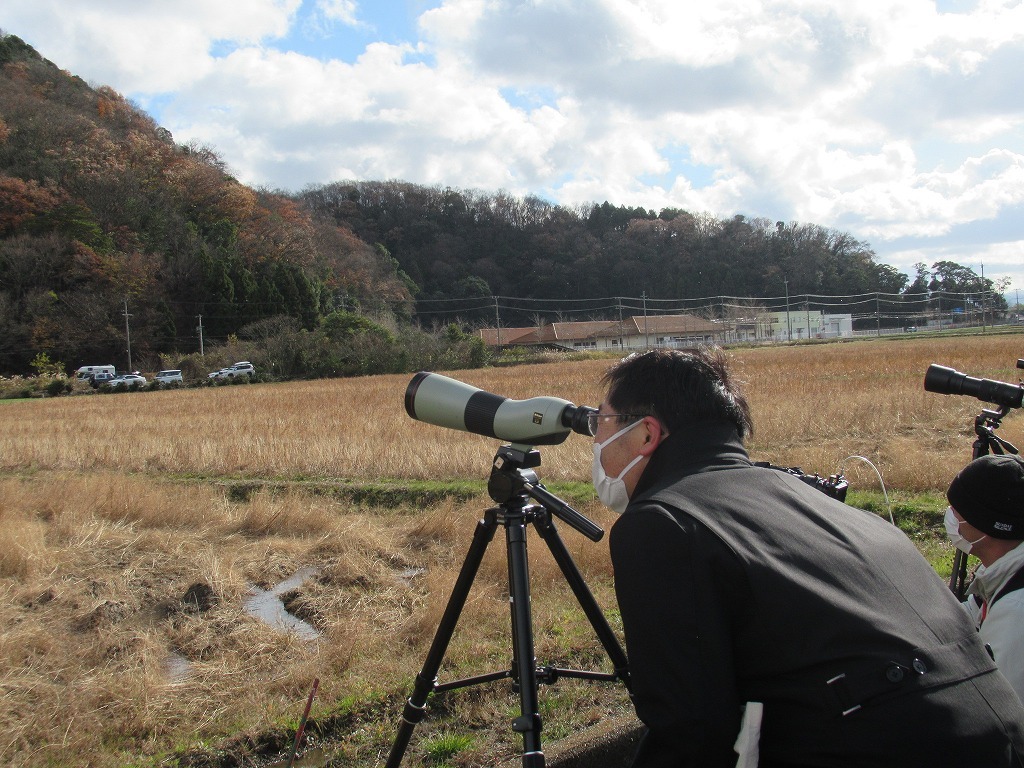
(633, 333)
(641, 332)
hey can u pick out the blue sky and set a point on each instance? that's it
(898, 121)
(343, 30)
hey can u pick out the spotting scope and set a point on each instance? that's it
(447, 402)
(947, 381)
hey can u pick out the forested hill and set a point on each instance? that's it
(456, 243)
(101, 213)
(104, 218)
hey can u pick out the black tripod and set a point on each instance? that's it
(985, 425)
(512, 482)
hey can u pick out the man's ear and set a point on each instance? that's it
(655, 433)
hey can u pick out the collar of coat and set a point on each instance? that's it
(989, 580)
(691, 450)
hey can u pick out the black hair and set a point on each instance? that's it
(679, 387)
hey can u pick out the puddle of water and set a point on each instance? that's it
(407, 576)
(313, 758)
(177, 667)
(267, 606)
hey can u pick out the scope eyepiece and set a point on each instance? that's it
(447, 402)
(947, 381)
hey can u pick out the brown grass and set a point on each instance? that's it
(115, 506)
(813, 407)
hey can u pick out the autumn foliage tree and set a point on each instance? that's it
(103, 218)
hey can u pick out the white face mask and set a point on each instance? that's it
(953, 531)
(612, 490)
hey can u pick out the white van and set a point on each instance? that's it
(169, 377)
(86, 372)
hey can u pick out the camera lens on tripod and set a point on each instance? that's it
(947, 381)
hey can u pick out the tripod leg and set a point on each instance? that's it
(981, 447)
(524, 662)
(415, 707)
(547, 531)
(958, 578)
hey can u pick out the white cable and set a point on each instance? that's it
(880, 481)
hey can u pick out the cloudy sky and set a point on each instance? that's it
(899, 121)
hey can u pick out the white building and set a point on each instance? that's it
(799, 324)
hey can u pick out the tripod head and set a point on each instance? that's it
(513, 479)
(985, 425)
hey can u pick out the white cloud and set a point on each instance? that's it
(382, 117)
(142, 47)
(343, 11)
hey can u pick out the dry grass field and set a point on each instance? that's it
(134, 527)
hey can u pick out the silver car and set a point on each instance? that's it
(126, 380)
(169, 377)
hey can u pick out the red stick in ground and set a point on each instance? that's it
(302, 722)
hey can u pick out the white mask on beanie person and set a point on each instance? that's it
(953, 531)
(612, 490)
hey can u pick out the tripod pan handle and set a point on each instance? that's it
(564, 512)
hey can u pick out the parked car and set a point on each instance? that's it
(126, 380)
(101, 377)
(243, 368)
(169, 377)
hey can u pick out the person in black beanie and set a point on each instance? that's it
(767, 623)
(986, 518)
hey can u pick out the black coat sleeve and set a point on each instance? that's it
(680, 592)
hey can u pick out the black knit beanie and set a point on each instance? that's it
(989, 494)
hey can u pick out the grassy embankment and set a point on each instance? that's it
(134, 525)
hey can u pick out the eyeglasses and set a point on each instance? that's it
(592, 419)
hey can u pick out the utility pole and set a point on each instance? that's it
(789, 325)
(200, 329)
(618, 302)
(497, 320)
(128, 334)
(647, 338)
(983, 297)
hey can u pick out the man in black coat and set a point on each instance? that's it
(763, 617)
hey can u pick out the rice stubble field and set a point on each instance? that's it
(136, 528)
